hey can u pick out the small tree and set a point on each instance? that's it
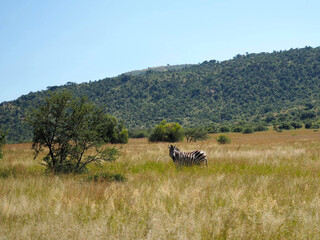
(248, 130)
(69, 127)
(166, 132)
(224, 129)
(2, 142)
(223, 139)
(260, 128)
(285, 126)
(195, 134)
(276, 128)
(296, 125)
(237, 129)
(111, 131)
(308, 125)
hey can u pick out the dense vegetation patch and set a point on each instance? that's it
(167, 132)
(272, 88)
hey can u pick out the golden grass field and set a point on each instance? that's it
(261, 186)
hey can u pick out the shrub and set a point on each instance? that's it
(285, 126)
(248, 130)
(223, 139)
(237, 129)
(224, 129)
(308, 125)
(167, 132)
(296, 125)
(121, 135)
(276, 128)
(195, 134)
(112, 131)
(260, 128)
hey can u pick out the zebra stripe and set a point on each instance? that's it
(187, 158)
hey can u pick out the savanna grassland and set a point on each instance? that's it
(261, 186)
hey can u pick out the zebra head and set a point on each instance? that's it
(173, 152)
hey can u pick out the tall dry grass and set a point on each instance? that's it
(261, 186)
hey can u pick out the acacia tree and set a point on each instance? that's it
(196, 134)
(2, 142)
(68, 127)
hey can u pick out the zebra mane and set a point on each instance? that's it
(174, 147)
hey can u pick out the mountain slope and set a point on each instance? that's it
(246, 87)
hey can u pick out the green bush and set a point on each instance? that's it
(248, 130)
(285, 126)
(276, 128)
(224, 129)
(237, 129)
(167, 132)
(308, 125)
(296, 125)
(122, 136)
(110, 130)
(223, 139)
(260, 128)
(196, 134)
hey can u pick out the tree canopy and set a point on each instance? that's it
(167, 132)
(196, 134)
(69, 127)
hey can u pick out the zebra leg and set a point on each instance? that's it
(178, 166)
(204, 164)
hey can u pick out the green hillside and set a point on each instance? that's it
(157, 69)
(248, 87)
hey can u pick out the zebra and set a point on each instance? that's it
(187, 159)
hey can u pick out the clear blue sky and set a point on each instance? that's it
(48, 43)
